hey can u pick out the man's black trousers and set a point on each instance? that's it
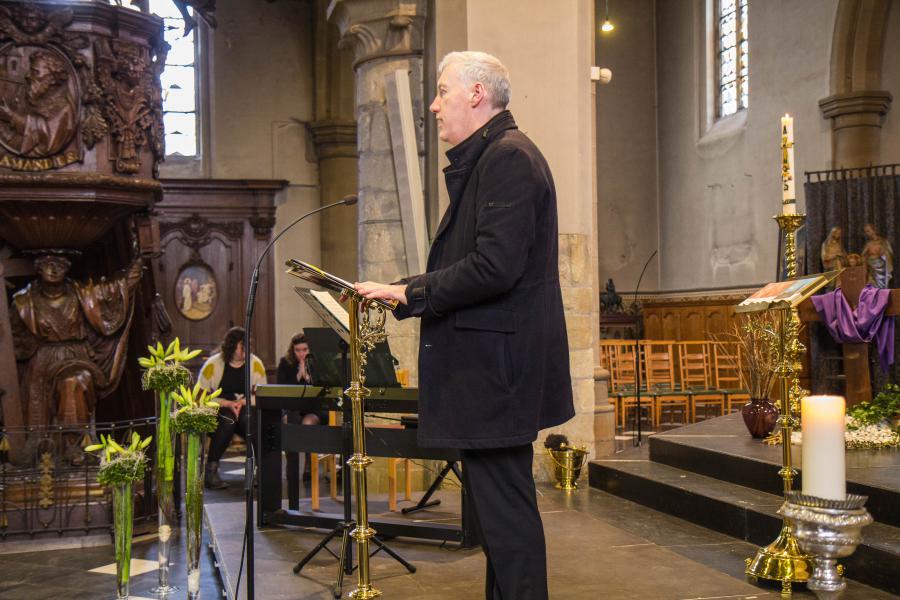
(500, 488)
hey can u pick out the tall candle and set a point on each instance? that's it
(788, 193)
(824, 471)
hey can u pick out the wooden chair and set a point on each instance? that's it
(695, 371)
(727, 362)
(392, 481)
(331, 465)
(659, 373)
(623, 379)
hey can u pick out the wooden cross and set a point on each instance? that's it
(856, 356)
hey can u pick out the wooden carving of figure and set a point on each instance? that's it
(133, 102)
(834, 256)
(878, 256)
(72, 338)
(41, 120)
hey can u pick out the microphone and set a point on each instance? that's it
(348, 200)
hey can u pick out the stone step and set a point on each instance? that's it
(741, 512)
(721, 448)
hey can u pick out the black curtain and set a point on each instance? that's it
(849, 198)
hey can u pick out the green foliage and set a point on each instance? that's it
(883, 407)
(163, 369)
(165, 377)
(198, 410)
(120, 464)
(197, 420)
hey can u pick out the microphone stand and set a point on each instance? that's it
(250, 465)
(637, 354)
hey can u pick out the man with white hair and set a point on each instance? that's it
(493, 352)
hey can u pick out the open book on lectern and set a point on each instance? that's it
(320, 278)
(380, 368)
(786, 294)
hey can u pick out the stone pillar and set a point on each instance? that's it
(856, 126)
(336, 148)
(385, 35)
(857, 105)
(604, 415)
(334, 134)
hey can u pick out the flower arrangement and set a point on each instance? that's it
(164, 372)
(197, 416)
(198, 410)
(120, 467)
(120, 464)
(872, 425)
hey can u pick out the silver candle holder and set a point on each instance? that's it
(829, 530)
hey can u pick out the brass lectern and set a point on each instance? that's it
(367, 319)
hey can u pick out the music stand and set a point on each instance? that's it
(331, 367)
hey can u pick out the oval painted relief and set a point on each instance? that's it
(195, 292)
(40, 101)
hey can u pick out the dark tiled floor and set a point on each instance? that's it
(599, 546)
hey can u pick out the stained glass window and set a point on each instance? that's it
(733, 54)
(179, 82)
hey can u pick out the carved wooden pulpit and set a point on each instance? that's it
(856, 356)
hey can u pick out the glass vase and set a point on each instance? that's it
(123, 508)
(760, 416)
(194, 468)
(165, 498)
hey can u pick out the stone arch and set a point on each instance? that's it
(857, 105)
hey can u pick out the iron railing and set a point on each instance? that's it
(48, 486)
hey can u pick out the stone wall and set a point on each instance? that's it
(718, 182)
(890, 81)
(260, 80)
(628, 221)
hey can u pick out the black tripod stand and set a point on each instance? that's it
(425, 501)
(344, 527)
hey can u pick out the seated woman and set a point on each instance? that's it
(225, 370)
(295, 369)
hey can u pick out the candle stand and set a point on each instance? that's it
(783, 560)
(829, 530)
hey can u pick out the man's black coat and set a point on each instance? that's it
(493, 351)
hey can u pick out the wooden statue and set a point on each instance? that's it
(834, 256)
(72, 337)
(879, 257)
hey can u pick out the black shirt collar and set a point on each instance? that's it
(467, 151)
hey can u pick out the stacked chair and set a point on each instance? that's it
(690, 379)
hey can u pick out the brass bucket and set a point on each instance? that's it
(567, 465)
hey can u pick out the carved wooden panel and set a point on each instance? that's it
(688, 318)
(211, 234)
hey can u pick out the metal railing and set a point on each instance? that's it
(48, 485)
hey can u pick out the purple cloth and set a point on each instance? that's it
(862, 325)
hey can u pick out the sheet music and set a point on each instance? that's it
(328, 309)
(332, 306)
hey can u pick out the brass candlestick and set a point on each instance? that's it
(783, 560)
(365, 332)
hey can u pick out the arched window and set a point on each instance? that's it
(180, 84)
(733, 56)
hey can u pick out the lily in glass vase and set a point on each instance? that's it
(120, 467)
(196, 417)
(164, 372)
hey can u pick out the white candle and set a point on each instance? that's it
(824, 471)
(788, 193)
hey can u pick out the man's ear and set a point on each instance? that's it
(479, 94)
